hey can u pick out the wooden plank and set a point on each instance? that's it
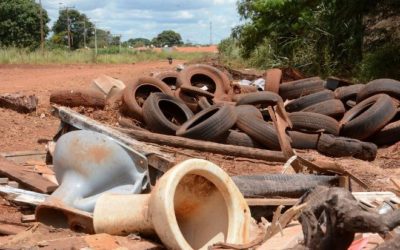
(28, 218)
(31, 180)
(11, 229)
(23, 196)
(271, 201)
(21, 157)
(205, 146)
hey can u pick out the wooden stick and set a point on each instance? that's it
(206, 146)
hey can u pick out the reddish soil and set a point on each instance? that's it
(24, 132)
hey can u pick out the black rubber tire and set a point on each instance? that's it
(348, 92)
(308, 100)
(299, 88)
(303, 140)
(240, 139)
(195, 91)
(204, 103)
(368, 117)
(209, 74)
(342, 146)
(148, 85)
(314, 122)
(333, 108)
(248, 110)
(210, 123)
(259, 130)
(168, 77)
(281, 185)
(388, 135)
(266, 98)
(190, 100)
(387, 86)
(160, 109)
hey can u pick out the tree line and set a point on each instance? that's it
(20, 26)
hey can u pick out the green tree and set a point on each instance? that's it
(167, 37)
(322, 36)
(77, 22)
(138, 42)
(20, 23)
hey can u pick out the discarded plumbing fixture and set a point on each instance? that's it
(87, 164)
(193, 205)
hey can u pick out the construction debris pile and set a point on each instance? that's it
(200, 102)
(102, 179)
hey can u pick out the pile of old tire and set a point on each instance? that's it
(349, 121)
(332, 117)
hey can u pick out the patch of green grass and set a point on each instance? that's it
(109, 55)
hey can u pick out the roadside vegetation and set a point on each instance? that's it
(63, 56)
(358, 38)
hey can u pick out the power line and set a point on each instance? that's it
(70, 40)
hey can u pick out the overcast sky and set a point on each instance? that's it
(147, 18)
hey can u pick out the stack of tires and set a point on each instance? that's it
(200, 102)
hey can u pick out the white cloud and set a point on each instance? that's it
(147, 18)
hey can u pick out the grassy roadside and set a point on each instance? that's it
(106, 56)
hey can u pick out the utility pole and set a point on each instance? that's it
(84, 34)
(69, 34)
(41, 27)
(68, 29)
(95, 40)
(211, 41)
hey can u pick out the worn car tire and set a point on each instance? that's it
(248, 110)
(273, 78)
(204, 103)
(240, 139)
(387, 86)
(348, 92)
(259, 130)
(303, 140)
(333, 108)
(165, 114)
(266, 98)
(195, 91)
(368, 117)
(299, 88)
(204, 75)
(342, 146)
(210, 123)
(388, 135)
(314, 122)
(79, 97)
(308, 100)
(189, 99)
(136, 93)
(169, 77)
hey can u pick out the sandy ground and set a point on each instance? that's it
(25, 132)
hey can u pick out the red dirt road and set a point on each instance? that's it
(21, 132)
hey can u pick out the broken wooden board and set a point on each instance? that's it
(18, 102)
(11, 229)
(23, 196)
(31, 180)
(21, 157)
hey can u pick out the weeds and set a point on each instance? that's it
(109, 55)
